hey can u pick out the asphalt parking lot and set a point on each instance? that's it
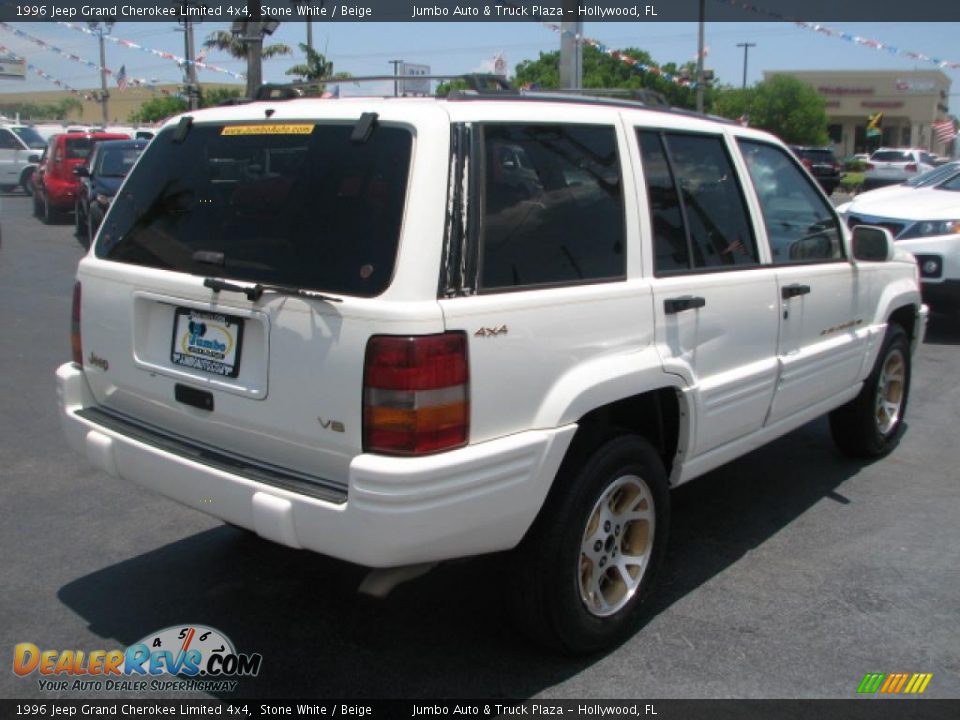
(791, 572)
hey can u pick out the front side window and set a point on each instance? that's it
(295, 204)
(30, 137)
(697, 209)
(8, 141)
(801, 226)
(552, 206)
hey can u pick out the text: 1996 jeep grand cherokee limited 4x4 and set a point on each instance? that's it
(401, 330)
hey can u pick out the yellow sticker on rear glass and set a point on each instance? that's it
(271, 129)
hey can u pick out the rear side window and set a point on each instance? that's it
(553, 206)
(801, 226)
(295, 204)
(697, 208)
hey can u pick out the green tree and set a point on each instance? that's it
(782, 105)
(219, 95)
(601, 70)
(228, 42)
(158, 108)
(316, 67)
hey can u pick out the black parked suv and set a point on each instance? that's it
(822, 164)
(100, 179)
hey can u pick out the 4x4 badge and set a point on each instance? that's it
(491, 332)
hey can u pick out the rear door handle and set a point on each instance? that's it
(789, 291)
(672, 306)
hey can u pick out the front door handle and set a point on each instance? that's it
(789, 291)
(672, 306)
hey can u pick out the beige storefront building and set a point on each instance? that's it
(911, 101)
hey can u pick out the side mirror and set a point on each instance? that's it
(81, 171)
(33, 159)
(873, 244)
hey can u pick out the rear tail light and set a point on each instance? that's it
(76, 345)
(806, 163)
(869, 166)
(911, 167)
(415, 394)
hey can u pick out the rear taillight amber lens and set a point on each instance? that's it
(76, 346)
(415, 394)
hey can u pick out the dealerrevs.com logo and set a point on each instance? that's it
(181, 657)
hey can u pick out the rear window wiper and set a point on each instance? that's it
(255, 292)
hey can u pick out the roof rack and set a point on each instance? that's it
(481, 86)
(477, 84)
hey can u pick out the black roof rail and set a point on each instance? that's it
(477, 83)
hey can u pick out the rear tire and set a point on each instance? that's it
(870, 425)
(26, 182)
(581, 575)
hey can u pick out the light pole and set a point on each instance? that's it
(100, 30)
(308, 14)
(190, 69)
(746, 49)
(251, 32)
(700, 25)
(396, 72)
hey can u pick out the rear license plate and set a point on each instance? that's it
(207, 341)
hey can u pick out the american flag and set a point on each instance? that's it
(122, 78)
(944, 130)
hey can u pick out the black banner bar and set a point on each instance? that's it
(480, 11)
(873, 708)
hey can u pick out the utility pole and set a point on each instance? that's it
(571, 49)
(396, 72)
(101, 31)
(700, 47)
(746, 49)
(309, 17)
(189, 52)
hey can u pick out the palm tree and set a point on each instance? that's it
(316, 67)
(226, 40)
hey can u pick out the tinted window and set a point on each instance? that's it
(717, 227)
(818, 156)
(305, 207)
(932, 177)
(78, 148)
(553, 206)
(31, 137)
(669, 235)
(115, 161)
(801, 226)
(892, 156)
(8, 141)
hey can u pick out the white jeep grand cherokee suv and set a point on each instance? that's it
(396, 331)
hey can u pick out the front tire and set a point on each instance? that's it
(585, 568)
(870, 425)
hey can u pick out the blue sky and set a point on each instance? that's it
(365, 48)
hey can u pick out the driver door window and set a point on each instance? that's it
(801, 226)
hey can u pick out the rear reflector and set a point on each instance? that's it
(415, 394)
(76, 345)
(911, 167)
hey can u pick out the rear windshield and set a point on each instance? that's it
(891, 156)
(116, 161)
(79, 148)
(819, 156)
(290, 204)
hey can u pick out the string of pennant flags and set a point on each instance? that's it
(122, 79)
(157, 53)
(623, 57)
(45, 75)
(849, 37)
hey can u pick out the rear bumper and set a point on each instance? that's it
(60, 194)
(396, 511)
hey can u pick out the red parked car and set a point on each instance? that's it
(57, 185)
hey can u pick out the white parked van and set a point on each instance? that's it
(20, 146)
